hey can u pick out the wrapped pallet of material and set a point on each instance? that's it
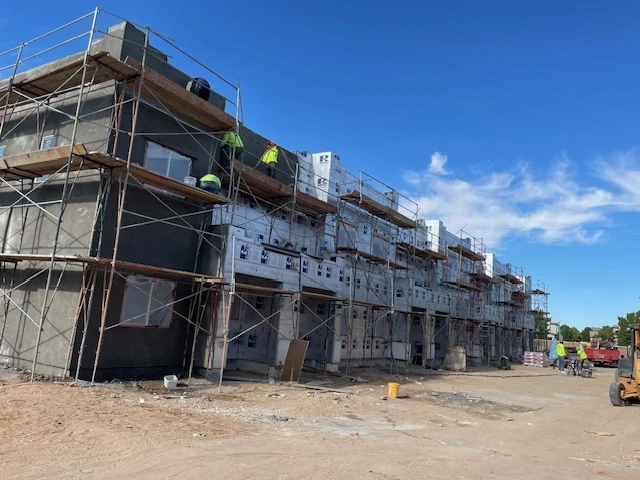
(328, 175)
(534, 359)
(305, 173)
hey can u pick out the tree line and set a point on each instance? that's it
(572, 334)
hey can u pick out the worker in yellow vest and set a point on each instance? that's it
(582, 355)
(561, 355)
(270, 158)
(210, 183)
(227, 143)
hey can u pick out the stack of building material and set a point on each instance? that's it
(534, 359)
(328, 174)
(306, 182)
(435, 234)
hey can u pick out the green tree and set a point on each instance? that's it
(569, 334)
(606, 333)
(585, 335)
(624, 337)
(541, 321)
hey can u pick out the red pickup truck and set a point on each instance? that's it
(603, 356)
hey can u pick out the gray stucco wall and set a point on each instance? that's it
(25, 128)
(156, 244)
(128, 352)
(29, 230)
(19, 339)
(134, 352)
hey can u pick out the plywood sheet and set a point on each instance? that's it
(295, 358)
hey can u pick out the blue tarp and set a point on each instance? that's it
(553, 355)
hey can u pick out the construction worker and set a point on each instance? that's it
(227, 143)
(210, 183)
(561, 354)
(270, 158)
(417, 357)
(582, 355)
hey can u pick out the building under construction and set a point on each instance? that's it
(115, 265)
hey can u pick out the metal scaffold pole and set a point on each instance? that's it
(227, 318)
(63, 204)
(121, 204)
(9, 90)
(200, 316)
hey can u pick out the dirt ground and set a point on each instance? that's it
(487, 424)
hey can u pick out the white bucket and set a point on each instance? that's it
(192, 181)
(170, 381)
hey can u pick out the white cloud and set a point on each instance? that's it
(551, 206)
(438, 161)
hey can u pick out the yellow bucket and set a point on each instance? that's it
(392, 390)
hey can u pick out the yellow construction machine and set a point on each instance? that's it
(626, 388)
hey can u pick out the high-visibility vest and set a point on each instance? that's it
(581, 353)
(560, 350)
(270, 156)
(231, 139)
(210, 177)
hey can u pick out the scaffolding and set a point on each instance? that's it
(540, 307)
(370, 237)
(33, 94)
(512, 299)
(389, 269)
(463, 272)
(365, 302)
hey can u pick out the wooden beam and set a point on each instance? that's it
(465, 252)
(421, 253)
(262, 185)
(31, 160)
(378, 210)
(311, 204)
(44, 162)
(27, 257)
(65, 74)
(174, 186)
(154, 179)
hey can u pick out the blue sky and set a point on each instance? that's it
(515, 120)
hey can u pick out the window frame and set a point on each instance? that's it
(123, 324)
(48, 141)
(171, 151)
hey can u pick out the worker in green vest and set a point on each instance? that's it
(270, 158)
(582, 355)
(210, 183)
(561, 354)
(227, 143)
